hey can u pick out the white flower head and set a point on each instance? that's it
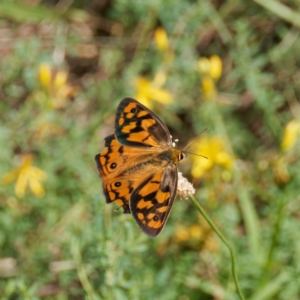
(184, 187)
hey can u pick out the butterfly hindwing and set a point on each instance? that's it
(120, 168)
(107, 162)
(118, 190)
(152, 200)
(137, 126)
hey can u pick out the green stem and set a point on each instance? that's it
(227, 244)
(281, 10)
(275, 235)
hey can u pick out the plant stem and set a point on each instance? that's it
(275, 235)
(227, 244)
(281, 10)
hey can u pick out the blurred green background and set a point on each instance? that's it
(229, 66)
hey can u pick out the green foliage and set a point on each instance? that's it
(59, 239)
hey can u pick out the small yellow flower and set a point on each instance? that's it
(56, 88)
(214, 149)
(210, 66)
(162, 44)
(45, 75)
(26, 175)
(182, 234)
(148, 91)
(185, 233)
(211, 71)
(161, 39)
(196, 232)
(215, 70)
(291, 133)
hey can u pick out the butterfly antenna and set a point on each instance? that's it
(195, 154)
(194, 140)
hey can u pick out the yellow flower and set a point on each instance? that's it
(194, 234)
(214, 149)
(162, 43)
(26, 175)
(44, 74)
(215, 70)
(147, 90)
(182, 234)
(187, 233)
(208, 87)
(210, 66)
(58, 91)
(211, 70)
(291, 132)
(161, 39)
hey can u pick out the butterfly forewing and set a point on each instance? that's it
(137, 126)
(151, 201)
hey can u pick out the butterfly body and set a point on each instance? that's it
(138, 166)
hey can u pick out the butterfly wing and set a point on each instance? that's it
(151, 202)
(137, 126)
(142, 181)
(121, 169)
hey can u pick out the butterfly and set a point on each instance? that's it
(138, 166)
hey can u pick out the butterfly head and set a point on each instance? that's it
(178, 155)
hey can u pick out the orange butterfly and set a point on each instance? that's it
(138, 166)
